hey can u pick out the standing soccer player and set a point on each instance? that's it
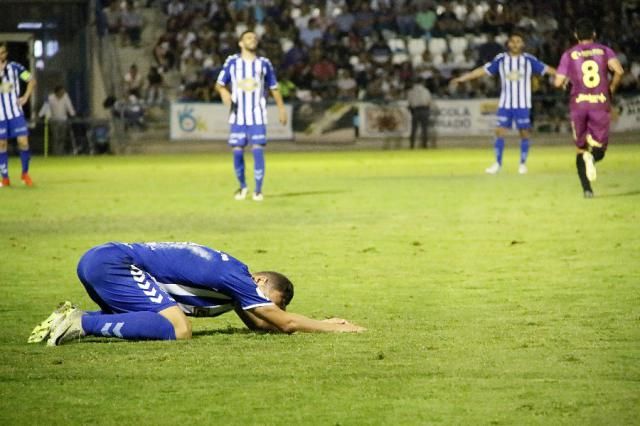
(516, 69)
(12, 121)
(586, 65)
(248, 74)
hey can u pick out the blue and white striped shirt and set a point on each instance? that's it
(12, 73)
(515, 78)
(249, 80)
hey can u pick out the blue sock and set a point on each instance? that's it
(499, 148)
(258, 167)
(238, 165)
(25, 156)
(524, 150)
(4, 164)
(129, 326)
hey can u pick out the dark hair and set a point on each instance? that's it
(245, 32)
(584, 29)
(517, 33)
(280, 283)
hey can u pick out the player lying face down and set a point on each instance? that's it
(147, 291)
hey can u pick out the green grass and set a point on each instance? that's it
(488, 299)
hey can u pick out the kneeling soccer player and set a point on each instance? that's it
(146, 290)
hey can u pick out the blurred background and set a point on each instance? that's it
(141, 73)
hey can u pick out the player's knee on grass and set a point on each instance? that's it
(183, 330)
(180, 322)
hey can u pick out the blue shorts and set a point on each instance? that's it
(521, 116)
(241, 135)
(13, 127)
(117, 285)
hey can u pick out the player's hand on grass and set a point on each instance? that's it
(335, 320)
(348, 327)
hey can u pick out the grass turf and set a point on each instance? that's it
(488, 299)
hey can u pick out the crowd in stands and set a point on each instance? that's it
(355, 49)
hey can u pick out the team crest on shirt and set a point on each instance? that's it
(248, 84)
(6, 87)
(514, 75)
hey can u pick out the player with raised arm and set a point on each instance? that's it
(12, 121)
(145, 291)
(249, 75)
(586, 66)
(516, 70)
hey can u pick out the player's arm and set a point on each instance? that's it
(471, 75)
(548, 69)
(31, 85)
(272, 318)
(282, 112)
(616, 68)
(224, 93)
(560, 80)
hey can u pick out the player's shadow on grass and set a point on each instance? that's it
(621, 194)
(227, 330)
(302, 194)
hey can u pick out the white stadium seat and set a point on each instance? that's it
(416, 46)
(458, 45)
(437, 46)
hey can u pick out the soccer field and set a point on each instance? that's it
(488, 299)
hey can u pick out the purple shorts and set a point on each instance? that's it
(593, 124)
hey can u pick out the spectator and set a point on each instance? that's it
(406, 21)
(133, 81)
(379, 51)
(163, 54)
(155, 89)
(345, 22)
(346, 84)
(175, 7)
(309, 35)
(365, 20)
(426, 18)
(113, 18)
(59, 110)
(419, 98)
(132, 23)
(487, 51)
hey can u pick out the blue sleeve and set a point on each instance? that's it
(270, 75)
(537, 66)
(224, 77)
(244, 290)
(23, 73)
(494, 66)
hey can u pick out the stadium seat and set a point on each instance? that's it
(458, 45)
(286, 44)
(437, 46)
(416, 46)
(477, 40)
(399, 58)
(397, 45)
(502, 38)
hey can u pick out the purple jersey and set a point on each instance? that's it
(586, 66)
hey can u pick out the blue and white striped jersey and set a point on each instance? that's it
(249, 82)
(203, 281)
(515, 77)
(12, 73)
